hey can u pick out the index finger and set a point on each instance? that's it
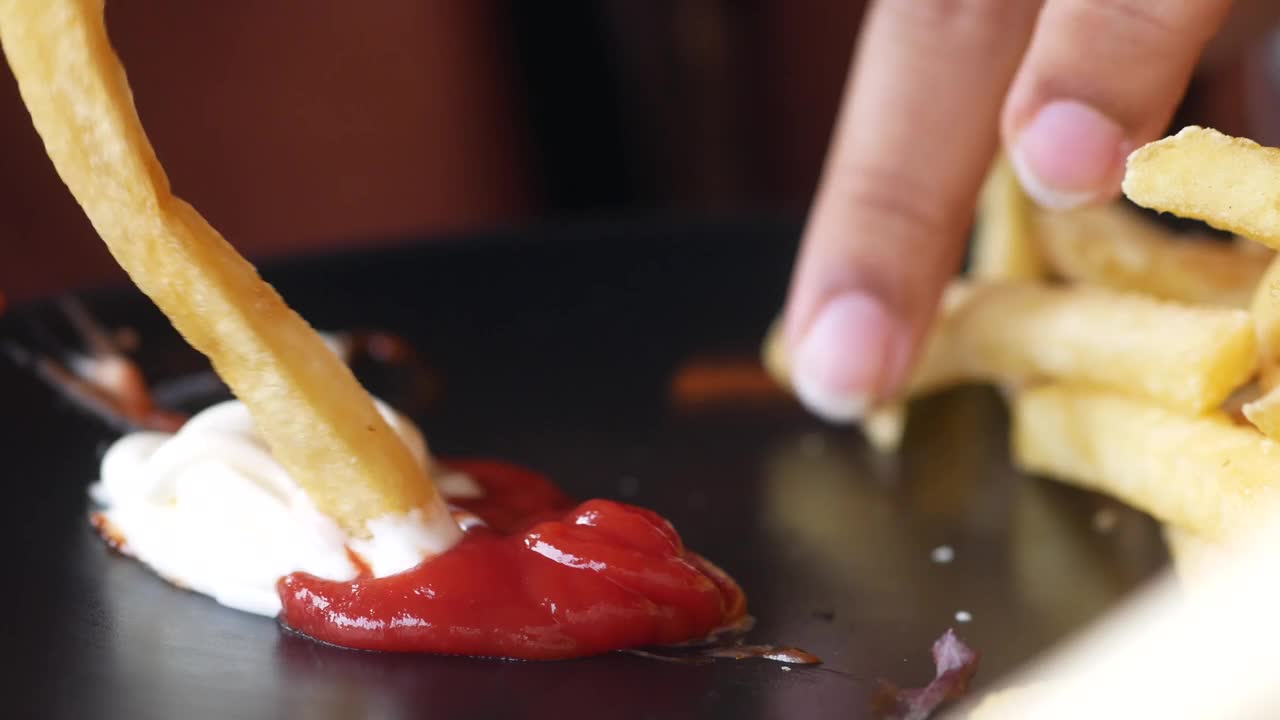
(915, 136)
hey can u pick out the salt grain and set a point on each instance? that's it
(1104, 520)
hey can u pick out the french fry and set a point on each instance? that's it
(1265, 309)
(1113, 247)
(1004, 246)
(774, 355)
(1188, 358)
(1204, 474)
(885, 426)
(1233, 406)
(318, 421)
(1193, 556)
(1264, 413)
(1230, 183)
(1247, 246)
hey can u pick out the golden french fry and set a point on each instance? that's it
(1004, 246)
(774, 355)
(1192, 555)
(1264, 413)
(1230, 183)
(1245, 245)
(1113, 247)
(1265, 309)
(318, 421)
(1202, 474)
(885, 426)
(1186, 357)
(1233, 406)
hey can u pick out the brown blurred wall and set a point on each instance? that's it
(290, 125)
(730, 103)
(356, 122)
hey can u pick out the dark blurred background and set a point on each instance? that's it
(352, 123)
(364, 122)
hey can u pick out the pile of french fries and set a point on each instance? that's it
(1139, 362)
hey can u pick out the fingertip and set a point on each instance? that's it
(848, 358)
(1069, 154)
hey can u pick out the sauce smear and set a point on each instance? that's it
(542, 580)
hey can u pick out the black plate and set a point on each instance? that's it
(558, 349)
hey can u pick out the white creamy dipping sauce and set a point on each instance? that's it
(209, 509)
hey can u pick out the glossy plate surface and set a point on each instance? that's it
(618, 358)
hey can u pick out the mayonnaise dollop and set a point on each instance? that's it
(209, 509)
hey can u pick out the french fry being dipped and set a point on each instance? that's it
(318, 421)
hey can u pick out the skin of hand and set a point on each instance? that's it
(1072, 85)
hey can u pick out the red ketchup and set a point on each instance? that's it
(543, 580)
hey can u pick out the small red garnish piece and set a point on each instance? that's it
(955, 664)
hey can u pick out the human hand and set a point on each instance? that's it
(1073, 86)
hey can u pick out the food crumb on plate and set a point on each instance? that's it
(1105, 519)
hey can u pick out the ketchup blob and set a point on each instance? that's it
(541, 580)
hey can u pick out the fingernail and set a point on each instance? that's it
(845, 357)
(1069, 155)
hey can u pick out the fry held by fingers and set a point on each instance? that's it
(1230, 183)
(1004, 246)
(318, 421)
(1186, 357)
